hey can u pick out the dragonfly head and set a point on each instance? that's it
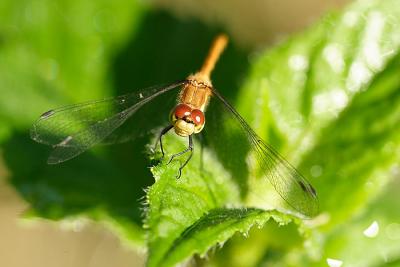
(187, 121)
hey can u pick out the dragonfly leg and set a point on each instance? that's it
(159, 139)
(188, 149)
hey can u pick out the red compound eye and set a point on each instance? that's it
(182, 111)
(197, 117)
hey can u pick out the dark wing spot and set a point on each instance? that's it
(312, 191)
(121, 115)
(303, 186)
(47, 114)
(308, 188)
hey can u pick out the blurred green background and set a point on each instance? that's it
(328, 102)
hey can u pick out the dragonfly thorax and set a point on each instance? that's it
(196, 92)
(187, 121)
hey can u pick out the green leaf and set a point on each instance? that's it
(55, 52)
(328, 100)
(349, 243)
(214, 228)
(188, 215)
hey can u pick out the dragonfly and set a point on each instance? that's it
(73, 129)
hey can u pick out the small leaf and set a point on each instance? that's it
(216, 227)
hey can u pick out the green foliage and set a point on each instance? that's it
(327, 99)
(89, 52)
(189, 215)
(331, 97)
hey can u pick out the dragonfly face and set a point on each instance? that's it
(187, 121)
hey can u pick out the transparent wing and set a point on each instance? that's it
(73, 129)
(286, 180)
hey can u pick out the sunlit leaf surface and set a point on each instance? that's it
(327, 99)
